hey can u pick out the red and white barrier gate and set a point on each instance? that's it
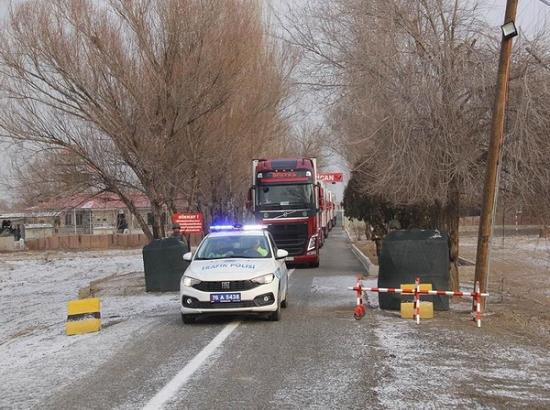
(360, 309)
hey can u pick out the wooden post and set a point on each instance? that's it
(494, 155)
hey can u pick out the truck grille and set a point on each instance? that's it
(235, 285)
(290, 237)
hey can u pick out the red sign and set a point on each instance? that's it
(331, 176)
(189, 222)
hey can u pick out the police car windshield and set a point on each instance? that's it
(234, 246)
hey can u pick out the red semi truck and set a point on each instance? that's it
(285, 195)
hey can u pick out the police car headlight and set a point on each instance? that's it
(189, 281)
(264, 279)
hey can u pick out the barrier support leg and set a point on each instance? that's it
(360, 309)
(417, 301)
(477, 299)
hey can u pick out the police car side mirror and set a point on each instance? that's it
(188, 256)
(281, 254)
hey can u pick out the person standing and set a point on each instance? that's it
(176, 232)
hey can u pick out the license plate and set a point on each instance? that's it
(290, 258)
(225, 297)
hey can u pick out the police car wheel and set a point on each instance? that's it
(275, 316)
(187, 319)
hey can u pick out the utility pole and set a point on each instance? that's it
(494, 154)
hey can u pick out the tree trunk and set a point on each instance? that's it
(368, 231)
(452, 222)
(158, 227)
(192, 200)
(141, 221)
(133, 210)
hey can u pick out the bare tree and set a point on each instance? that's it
(310, 140)
(141, 94)
(525, 176)
(412, 86)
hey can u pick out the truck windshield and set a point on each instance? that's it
(285, 196)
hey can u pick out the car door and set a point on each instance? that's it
(281, 265)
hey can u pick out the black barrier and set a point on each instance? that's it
(164, 265)
(408, 254)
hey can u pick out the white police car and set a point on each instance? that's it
(235, 269)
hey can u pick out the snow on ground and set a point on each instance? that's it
(424, 365)
(458, 368)
(448, 362)
(532, 249)
(34, 291)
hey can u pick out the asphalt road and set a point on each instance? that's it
(316, 357)
(313, 358)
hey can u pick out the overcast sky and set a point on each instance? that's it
(532, 15)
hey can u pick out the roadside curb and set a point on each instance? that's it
(364, 259)
(116, 284)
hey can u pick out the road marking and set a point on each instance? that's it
(173, 386)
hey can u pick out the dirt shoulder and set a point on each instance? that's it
(519, 279)
(369, 249)
(519, 283)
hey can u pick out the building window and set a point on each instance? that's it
(68, 219)
(79, 219)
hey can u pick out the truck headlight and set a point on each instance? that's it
(189, 281)
(264, 279)
(312, 243)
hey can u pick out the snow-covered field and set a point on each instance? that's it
(34, 291)
(531, 249)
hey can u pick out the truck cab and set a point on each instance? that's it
(285, 195)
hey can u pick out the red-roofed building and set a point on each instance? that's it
(99, 214)
(83, 214)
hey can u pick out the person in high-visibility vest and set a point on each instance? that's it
(259, 247)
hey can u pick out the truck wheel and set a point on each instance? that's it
(315, 264)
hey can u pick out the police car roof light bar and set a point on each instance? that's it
(222, 228)
(254, 227)
(236, 227)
